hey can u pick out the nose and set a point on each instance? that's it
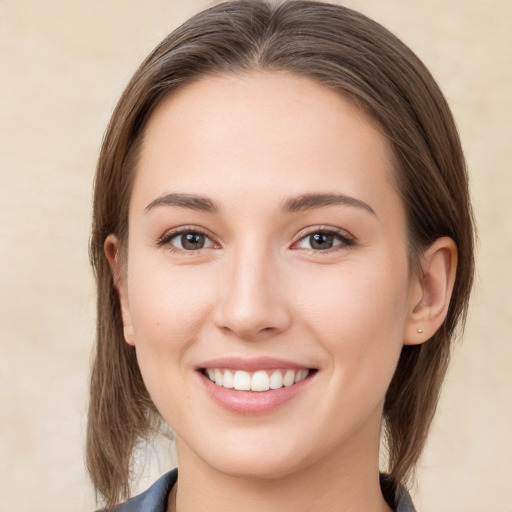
(252, 304)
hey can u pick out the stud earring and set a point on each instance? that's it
(420, 331)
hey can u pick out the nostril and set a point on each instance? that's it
(248, 333)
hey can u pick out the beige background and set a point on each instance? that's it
(63, 64)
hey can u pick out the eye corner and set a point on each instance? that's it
(331, 238)
(198, 240)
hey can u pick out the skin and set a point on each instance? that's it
(257, 288)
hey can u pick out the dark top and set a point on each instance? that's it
(155, 498)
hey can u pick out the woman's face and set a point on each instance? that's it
(267, 244)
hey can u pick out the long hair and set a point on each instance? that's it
(362, 61)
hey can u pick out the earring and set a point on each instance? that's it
(420, 331)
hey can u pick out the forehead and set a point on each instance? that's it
(260, 132)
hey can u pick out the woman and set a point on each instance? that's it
(283, 245)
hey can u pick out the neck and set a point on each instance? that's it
(345, 481)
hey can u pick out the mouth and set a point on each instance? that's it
(259, 380)
(256, 385)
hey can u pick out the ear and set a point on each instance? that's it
(111, 248)
(431, 292)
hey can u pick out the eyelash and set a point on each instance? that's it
(167, 238)
(346, 239)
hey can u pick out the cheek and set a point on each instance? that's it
(168, 307)
(358, 316)
(357, 297)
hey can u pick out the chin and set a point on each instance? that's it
(258, 467)
(255, 459)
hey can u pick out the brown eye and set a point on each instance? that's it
(324, 240)
(321, 241)
(191, 241)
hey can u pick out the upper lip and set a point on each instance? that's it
(252, 364)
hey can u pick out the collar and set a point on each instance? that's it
(155, 498)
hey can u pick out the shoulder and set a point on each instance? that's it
(153, 499)
(405, 504)
(396, 495)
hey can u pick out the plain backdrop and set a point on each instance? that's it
(63, 64)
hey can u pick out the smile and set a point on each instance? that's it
(260, 380)
(257, 385)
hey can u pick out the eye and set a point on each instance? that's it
(323, 240)
(189, 240)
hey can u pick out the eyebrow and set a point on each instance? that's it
(311, 201)
(291, 205)
(192, 202)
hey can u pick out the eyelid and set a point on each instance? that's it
(167, 237)
(347, 239)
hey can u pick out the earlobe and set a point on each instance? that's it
(111, 248)
(432, 291)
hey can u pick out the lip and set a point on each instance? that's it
(252, 365)
(253, 402)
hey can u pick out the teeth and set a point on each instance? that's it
(219, 377)
(242, 381)
(301, 375)
(227, 380)
(261, 380)
(289, 378)
(276, 380)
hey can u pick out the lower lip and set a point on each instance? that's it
(253, 402)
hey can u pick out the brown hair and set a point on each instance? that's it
(360, 59)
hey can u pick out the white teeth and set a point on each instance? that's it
(276, 380)
(261, 380)
(219, 377)
(242, 381)
(301, 375)
(289, 378)
(227, 380)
